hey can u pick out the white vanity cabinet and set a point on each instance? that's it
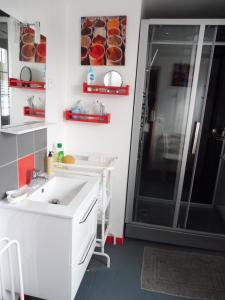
(84, 238)
(55, 250)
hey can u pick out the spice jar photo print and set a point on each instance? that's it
(29, 50)
(103, 40)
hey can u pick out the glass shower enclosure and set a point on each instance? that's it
(177, 149)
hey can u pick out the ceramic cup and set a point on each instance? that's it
(28, 52)
(97, 55)
(86, 31)
(114, 56)
(28, 38)
(99, 40)
(84, 55)
(114, 41)
(85, 41)
(41, 53)
(99, 23)
(113, 23)
(113, 31)
(99, 31)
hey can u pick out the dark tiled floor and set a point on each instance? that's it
(122, 280)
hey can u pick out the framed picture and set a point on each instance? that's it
(29, 50)
(103, 40)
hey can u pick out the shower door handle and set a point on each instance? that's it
(195, 142)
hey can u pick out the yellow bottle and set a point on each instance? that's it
(49, 167)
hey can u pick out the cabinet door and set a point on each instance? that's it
(84, 225)
(81, 263)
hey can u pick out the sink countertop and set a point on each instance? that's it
(45, 208)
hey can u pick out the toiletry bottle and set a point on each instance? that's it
(54, 153)
(49, 167)
(60, 153)
(91, 76)
(102, 109)
(77, 109)
(97, 108)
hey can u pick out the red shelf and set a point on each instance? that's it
(24, 84)
(106, 90)
(37, 113)
(105, 119)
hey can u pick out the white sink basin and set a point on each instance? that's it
(69, 189)
(58, 190)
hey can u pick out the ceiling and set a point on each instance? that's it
(183, 9)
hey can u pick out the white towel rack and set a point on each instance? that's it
(6, 246)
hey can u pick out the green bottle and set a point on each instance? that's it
(60, 153)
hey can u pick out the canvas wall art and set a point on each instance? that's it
(103, 40)
(29, 50)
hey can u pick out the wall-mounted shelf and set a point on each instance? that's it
(69, 116)
(23, 84)
(31, 112)
(106, 90)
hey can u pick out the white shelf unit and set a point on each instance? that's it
(101, 166)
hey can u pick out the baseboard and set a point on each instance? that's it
(109, 239)
(119, 241)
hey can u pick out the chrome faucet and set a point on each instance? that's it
(36, 174)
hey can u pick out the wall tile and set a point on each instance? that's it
(25, 168)
(8, 178)
(40, 139)
(25, 144)
(7, 148)
(40, 160)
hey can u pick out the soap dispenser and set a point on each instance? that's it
(49, 169)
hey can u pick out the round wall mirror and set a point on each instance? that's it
(26, 74)
(113, 78)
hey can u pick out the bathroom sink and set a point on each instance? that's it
(58, 190)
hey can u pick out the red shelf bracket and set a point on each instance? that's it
(69, 116)
(24, 84)
(37, 113)
(106, 90)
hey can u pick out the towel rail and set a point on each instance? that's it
(7, 249)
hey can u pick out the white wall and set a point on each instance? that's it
(65, 77)
(52, 18)
(112, 139)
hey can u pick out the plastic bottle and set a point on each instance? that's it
(77, 109)
(91, 76)
(60, 153)
(54, 152)
(49, 169)
(96, 108)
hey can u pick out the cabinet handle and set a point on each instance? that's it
(84, 256)
(90, 208)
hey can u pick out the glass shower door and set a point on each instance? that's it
(199, 208)
(171, 61)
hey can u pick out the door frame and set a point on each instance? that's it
(142, 71)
